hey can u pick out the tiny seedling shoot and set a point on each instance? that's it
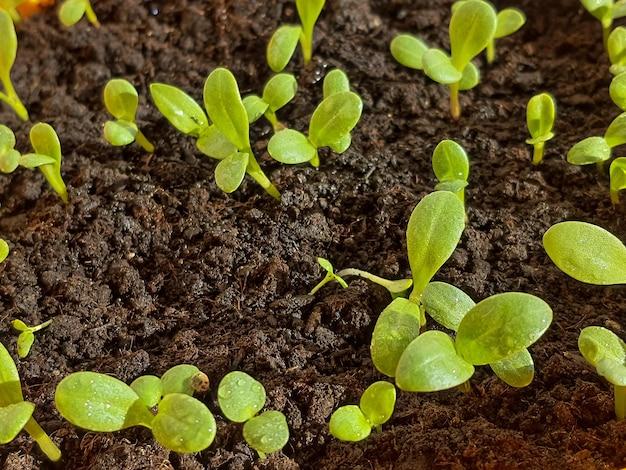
(285, 39)
(616, 48)
(26, 337)
(10, 158)
(605, 11)
(15, 413)
(617, 174)
(330, 276)
(8, 51)
(451, 167)
(278, 92)
(121, 100)
(540, 116)
(72, 11)
(45, 142)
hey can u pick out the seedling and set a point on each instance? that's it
(605, 11)
(330, 276)
(8, 51)
(121, 100)
(397, 288)
(451, 167)
(15, 413)
(278, 91)
(227, 140)
(46, 143)
(616, 48)
(354, 423)
(102, 403)
(540, 115)
(617, 90)
(472, 28)
(26, 337)
(617, 173)
(4, 250)
(10, 158)
(72, 11)
(285, 39)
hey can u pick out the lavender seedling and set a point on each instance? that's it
(26, 337)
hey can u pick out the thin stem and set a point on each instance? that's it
(144, 142)
(329, 277)
(91, 15)
(276, 124)
(44, 442)
(620, 401)
(455, 105)
(615, 197)
(315, 161)
(465, 387)
(606, 31)
(13, 100)
(538, 153)
(491, 51)
(600, 166)
(256, 173)
(306, 41)
(365, 275)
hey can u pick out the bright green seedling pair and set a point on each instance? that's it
(540, 116)
(26, 337)
(330, 125)
(451, 167)
(121, 100)
(15, 413)
(72, 11)
(330, 276)
(8, 51)
(605, 11)
(354, 423)
(101, 403)
(47, 155)
(284, 41)
(240, 398)
(227, 139)
(279, 90)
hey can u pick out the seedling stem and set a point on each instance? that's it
(12, 99)
(255, 171)
(491, 51)
(144, 142)
(455, 105)
(46, 444)
(93, 19)
(620, 401)
(538, 153)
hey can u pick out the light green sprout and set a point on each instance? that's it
(279, 90)
(26, 337)
(4, 250)
(451, 167)
(617, 90)
(121, 100)
(540, 116)
(72, 11)
(605, 11)
(10, 158)
(46, 143)
(330, 276)
(616, 48)
(8, 51)
(617, 174)
(285, 39)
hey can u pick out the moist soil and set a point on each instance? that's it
(150, 265)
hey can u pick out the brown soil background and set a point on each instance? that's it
(151, 266)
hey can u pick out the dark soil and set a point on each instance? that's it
(150, 265)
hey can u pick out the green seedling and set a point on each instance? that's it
(278, 91)
(605, 11)
(15, 413)
(617, 90)
(8, 51)
(240, 398)
(472, 28)
(26, 337)
(284, 41)
(46, 143)
(4, 250)
(616, 48)
(617, 173)
(599, 149)
(336, 81)
(72, 11)
(227, 139)
(451, 167)
(605, 351)
(10, 158)
(330, 276)
(121, 100)
(540, 116)
(397, 288)
(101, 403)
(354, 423)
(587, 253)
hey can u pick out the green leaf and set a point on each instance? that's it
(470, 78)
(430, 364)
(149, 388)
(19, 325)
(348, 423)
(378, 402)
(183, 424)
(509, 21)
(335, 117)
(72, 11)
(9, 161)
(178, 379)
(309, 11)
(120, 133)
(612, 371)
(291, 147)
(214, 144)
(500, 326)
(589, 150)
(336, 81)
(121, 100)
(4, 250)
(617, 90)
(517, 370)
(618, 174)
(438, 66)
(10, 387)
(396, 327)
(598, 8)
(586, 252)
(267, 432)
(24, 342)
(255, 108)
(616, 133)
(9, 45)
(408, 51)
(280, 90)
(281, 47)
(434, 231)
(13, 418)
(342, 144)
(597, 343)
(7, 139)
(45, 141)
(35, 160)
(540, 116)
(240, 396)
(446, 304)
(619, 9)
(100, 403)
(450, 162)
(616, 46)
(229, 173)
(225, 108)
(326, 265)
(472, 26)
(180, 109)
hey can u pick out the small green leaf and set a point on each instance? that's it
(72, 11)
(214, 144)
(600, 9)
(9, 161)
(9, 44)
(180, 109)
(472, 26)
(408, 51)
(430, 364)
(597, 343)
(4, 250)
(10, 387)
(178, 379)
(45, 141)
(291, 147)
(348, 423)
(509, 21)
(267, 432)
(378, 402)
(120, 133)
(19, 325)
(149, 388)
(255, 108)
(280, 90)
(450, 161)
(615, 135)
(335, 81)
(342, 144)
(618, 174)
(35, 160)
(335, 117)
(438, 67)
(24, 342)
(470, 78)
(121, 99)
(589, 150)
(446, 304)
(309, 11)
(240, 396)
(229, 173)
(616, 46)
(281, 47)
(617, 90)
(7, 139)
(13, 418)
(517, 370)
(614, 372)
(326, 265)
(540, 115)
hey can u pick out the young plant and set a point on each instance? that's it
(10, 158)
(227, 139)
(26, 337)
(354, 423)
(72, 11)
(46, 143)
(472, 28)
(4, 250)
(540, 116)
(617, 173)
(616, 48)
(451, 167)
(330, 276)
(599, 149)
(8, 51)
(240, 398)
(605, 11)
(278, 91)
(121, 100)
(101, 403)
(15, 413)
(285, 39)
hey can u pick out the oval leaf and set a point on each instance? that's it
(230, 172)
(10, 160)
(472, 26)
(180, 109)
(618, 174)
(408, 51)
(214, 144)
(540, 115)
(280, 90)
(597, 343)
(35, 160)
(10, 387)
(149, 389)
(509, 21)
(517, 370)
(72, 11)
(120, 133)
(438, 67)
(4, 252)
(281, 47)
(450, 162)
(617, 90)
(291, 147)
(24, 342)
(616, 45)
(616, 133)
(335, 117)
(336, 81)
(9, 44)
(13, 418)
(589, 150)
(446, 304)
(255, 108)
(348, 423)
(179, 379)
(470, 78)
(267, 432)
(378, 402)
(121, 99)
(240, 396)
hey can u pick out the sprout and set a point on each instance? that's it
(451, 167)
(15, 413)
(616, 47)
(8, 50)
(72, 11)
(540, 115)
(397, 288)
(617, 90)
(45, 141)
(10, 158)
(446, 304)
(121, 100)
(617, 173)
(267, 432)
(605, 11)
(27, 336)
(227, 139)
(278, 91)
(354, 423)
(330, 276)
(4, 250)
(587, 253)
(283, 42)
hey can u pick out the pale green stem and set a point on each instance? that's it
(271, 117)
(306, 41)
(52, 173)
(491, 51)
(144, 142)
(37, 328)
(538, 153)
(329, 277)
(615, 197)
(465, 387)
(13, 100)
(600, 166)
(606, 31)
(256, 173)
(455, 104)
(91, 15)
(44, 442)
(315, 161)
(620, 401)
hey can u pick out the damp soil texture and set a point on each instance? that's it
(150, 265)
